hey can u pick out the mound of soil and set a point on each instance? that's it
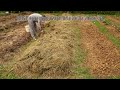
(50, 56)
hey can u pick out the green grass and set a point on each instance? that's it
(114, 77)
(106, 22)
(79, 57)
(4, 74)
(110, 22)
(104, 31)
(10, 76)
(2, 13)
(118, 27)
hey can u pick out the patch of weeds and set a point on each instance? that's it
(103, 30)
(114, 77)
(106, 22)
(79, 57)
(4, 74)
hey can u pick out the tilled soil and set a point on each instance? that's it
(12, 36)
(111, 28)
(103, 58)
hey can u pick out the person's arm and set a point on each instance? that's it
(32, 34)
(31, 27)
(39, 24)
(32, 30)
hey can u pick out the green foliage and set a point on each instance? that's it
(79, 57)
(103, 30)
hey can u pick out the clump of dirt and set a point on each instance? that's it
(50, 56)
(2, 28)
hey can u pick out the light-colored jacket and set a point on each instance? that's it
(32, 19)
